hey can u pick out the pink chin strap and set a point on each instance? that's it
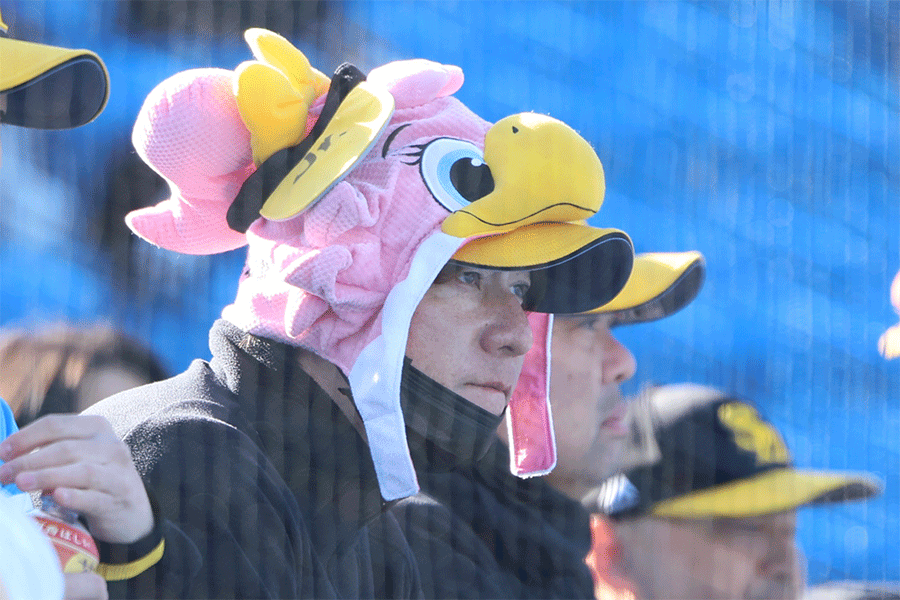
(532, 442)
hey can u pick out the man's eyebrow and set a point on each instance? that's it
(390, 138)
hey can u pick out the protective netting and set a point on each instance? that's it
(764, 135)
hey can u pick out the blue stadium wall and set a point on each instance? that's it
(763, 134)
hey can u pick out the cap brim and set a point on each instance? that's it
(47, 87)
(574, 267)
(661, 284)
(773, 491)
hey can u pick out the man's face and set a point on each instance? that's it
(470, 333)
(105, 381)
(588, 364)
(687, 559)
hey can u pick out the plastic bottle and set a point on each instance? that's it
(75, 547)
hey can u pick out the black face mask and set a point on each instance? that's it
(443, 428)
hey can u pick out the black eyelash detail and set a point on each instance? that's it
(415, 154)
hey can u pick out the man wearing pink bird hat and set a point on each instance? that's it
(403, 260)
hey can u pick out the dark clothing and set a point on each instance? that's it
(265, 487)
(477, 530)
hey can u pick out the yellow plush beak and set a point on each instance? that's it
(542, 170)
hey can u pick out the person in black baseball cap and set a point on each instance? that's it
(712, 514)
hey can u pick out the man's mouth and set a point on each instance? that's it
(494, 385)
(616, 422)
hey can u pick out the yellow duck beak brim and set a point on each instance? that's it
(771, 492)
(47, 87)
(661, 284)
(573, 266)
(542, 170)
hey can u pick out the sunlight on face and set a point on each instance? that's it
(588, 364)
(470, 333)
(746, 558)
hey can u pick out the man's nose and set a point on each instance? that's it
(784, 564)
(619, 364)
(507, 332)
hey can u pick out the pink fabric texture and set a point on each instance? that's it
(319, 280)
(189, 131)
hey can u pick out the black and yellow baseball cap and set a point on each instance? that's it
(661, 284)
(47, 87)
(716, 457)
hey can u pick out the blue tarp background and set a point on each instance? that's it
(763, 134)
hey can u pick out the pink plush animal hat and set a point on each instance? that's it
(352, 194)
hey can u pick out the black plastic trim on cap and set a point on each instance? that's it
(678, 295)
(244, 209)
(69, 95)
(582, 280)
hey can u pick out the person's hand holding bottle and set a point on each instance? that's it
(79, 462)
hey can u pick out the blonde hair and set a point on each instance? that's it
(42, 370)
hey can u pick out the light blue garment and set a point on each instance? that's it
(7, 428)
(29, 567)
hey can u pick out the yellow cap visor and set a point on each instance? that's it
(574, 266)
(49, 87)
(359, 120)
(661, 284)
(771, 492)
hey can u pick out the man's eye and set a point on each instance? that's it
(469, 277)
(589, 323)
(520, 290)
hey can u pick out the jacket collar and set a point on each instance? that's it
(321, 457)
(540, 522)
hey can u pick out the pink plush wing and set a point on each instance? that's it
(417, 82)
(189, 131)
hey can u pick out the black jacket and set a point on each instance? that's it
(477, 530)
(264, 487)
